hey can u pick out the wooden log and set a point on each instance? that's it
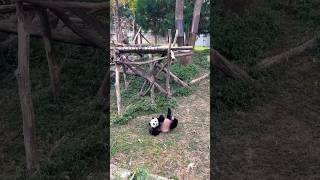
(91, 37)
(117, 87)
(103, 90)
(168, 66)
(175, 38)
(140, 72)
(174, 77)
(151, 69)
(199, 79)
(149, 50)
(136, 35)
(142, 87)
(146, 62)
(24, 88)
(227, 67)
(10, 8)
(126, 83)
(35, 31)
(145, 38)
(267, 62)
(52, 62)
(92, 22)
(69, 4)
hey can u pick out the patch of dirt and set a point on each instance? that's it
(169, 154)
(279, 138)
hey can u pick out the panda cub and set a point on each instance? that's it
(162, 124)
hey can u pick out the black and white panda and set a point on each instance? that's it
(162, 124)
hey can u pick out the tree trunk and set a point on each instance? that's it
(179, 21)
(194, 30)
(119, 21)
(24, 86)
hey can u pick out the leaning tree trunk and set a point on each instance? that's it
(194, 30)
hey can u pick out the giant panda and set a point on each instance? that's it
(162, 124)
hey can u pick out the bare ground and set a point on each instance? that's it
(168, 154)
(278, 138)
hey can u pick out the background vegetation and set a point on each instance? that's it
(71, 130)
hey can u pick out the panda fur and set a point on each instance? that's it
(162, 124)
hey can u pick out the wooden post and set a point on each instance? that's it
(24, 87)
(126, 83)
(117, 87)
(52, 63)
(168, 66)
(151, 69)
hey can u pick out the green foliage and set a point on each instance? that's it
(233, 93)
(159, 16)
(156, 16)
(244, 38)
(185, 73)
(308, 11)
(140, 174)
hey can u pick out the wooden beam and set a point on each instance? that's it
(35, 31)
(267, 62)
(24, 88)
(92, 22)
(52, 61)
(174, 77)
(227, 67)
(139, 71)
(10, 8)
(69, 4)
(92, 37)
(157, 49)
(199, 79)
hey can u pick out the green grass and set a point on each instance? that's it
(134, 105)
(140, 174)
(201, 48)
